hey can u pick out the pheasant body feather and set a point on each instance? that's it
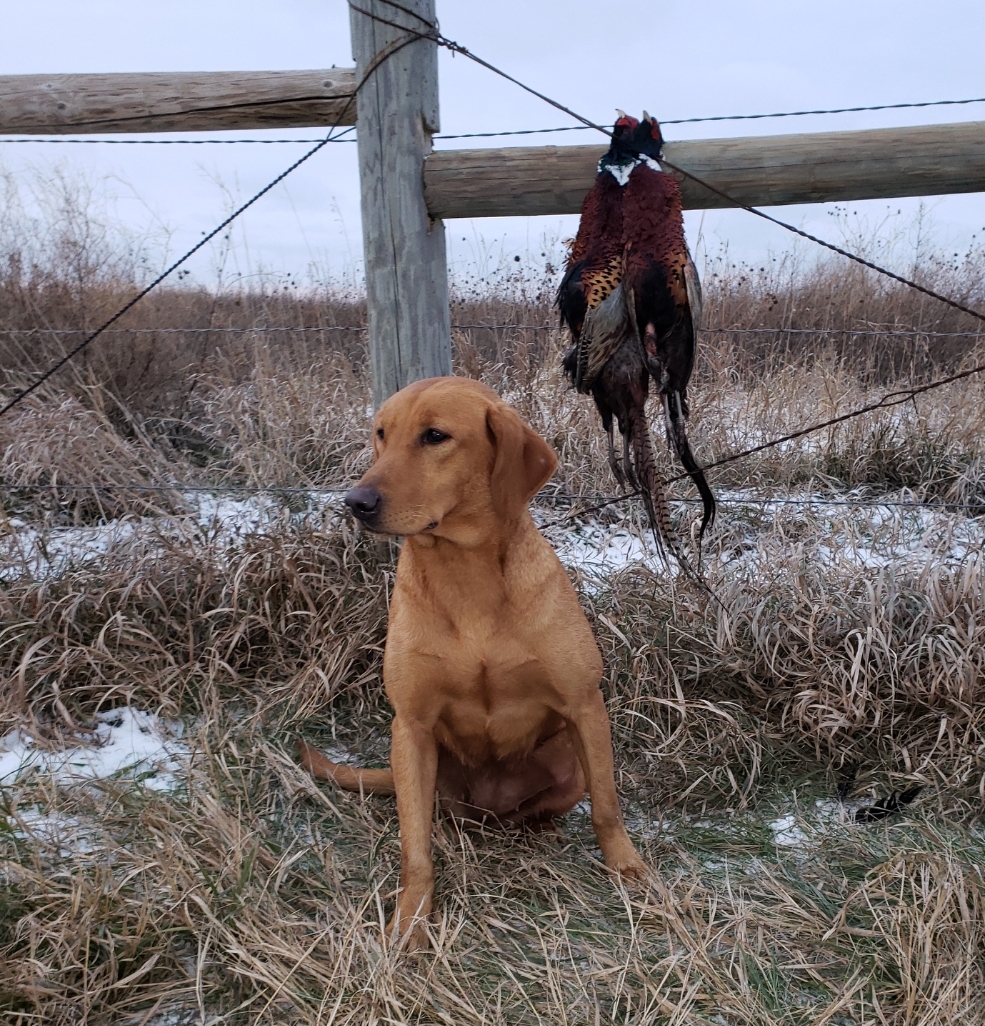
(631, 297)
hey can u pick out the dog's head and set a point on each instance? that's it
(450, 459)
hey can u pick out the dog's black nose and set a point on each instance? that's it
(364, 502)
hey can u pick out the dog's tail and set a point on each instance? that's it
(349, 778)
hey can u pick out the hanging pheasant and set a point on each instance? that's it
(631, 298)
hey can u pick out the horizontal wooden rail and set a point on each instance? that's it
(175, 101)
(928, 160)
(759, 170)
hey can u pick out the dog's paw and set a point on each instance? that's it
(633, 870)
(407, 933)
(407, 929)
(623, 862)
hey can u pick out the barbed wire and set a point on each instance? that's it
(830, 110)
(891, 399)
(724, 330)
(58, 140)
(727, 117)
(435, 36)
(108, 486)
(579, 514)
(909, 332)
(954, 304)
(266, 329)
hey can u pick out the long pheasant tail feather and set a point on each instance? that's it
(674, 412)
(654, 499)
(657, 509)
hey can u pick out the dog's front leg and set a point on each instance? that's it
(593, 742)
(414, 761)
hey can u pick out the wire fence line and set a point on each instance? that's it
(380, 59)
(504, 326)
(433, 34)
(569, 497)
(59, 140)
(265, 329)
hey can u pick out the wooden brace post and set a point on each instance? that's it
(404, 250)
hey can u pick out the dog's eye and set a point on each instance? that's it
(379, 434)
(433, 436)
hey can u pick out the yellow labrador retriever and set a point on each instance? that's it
(490, 664)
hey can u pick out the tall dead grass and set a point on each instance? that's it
(253, 895)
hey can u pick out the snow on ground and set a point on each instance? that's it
(867, 535)
(48, 552)
(846, 536)
(788, 833)
(56, 832)
(805, 829)
(852, 536)
(125, 743)
(599, 548)
(755, 531)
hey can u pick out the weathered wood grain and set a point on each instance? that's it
(175, 101)
(928, 160)
(404, 250)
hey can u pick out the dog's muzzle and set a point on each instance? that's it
(365, 503)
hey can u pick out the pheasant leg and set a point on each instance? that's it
(634, 482)
(617, 471)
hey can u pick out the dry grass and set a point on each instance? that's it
(251, 894)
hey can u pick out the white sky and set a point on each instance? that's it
(676, 60)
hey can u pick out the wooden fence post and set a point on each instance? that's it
(404, 250)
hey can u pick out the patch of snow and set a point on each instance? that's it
(648, 829)
(826, 815)
(47, 552)
(126, 743)
(787, 833)
(44, 553)
(599, 548)
(232, 518)
(856, 537)
(56, 831)
(849, 537)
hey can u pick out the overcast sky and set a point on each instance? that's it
(676, 60)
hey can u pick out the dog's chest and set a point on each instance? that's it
(486, 667)
(494, 694)
(496, 706)
(490, 660)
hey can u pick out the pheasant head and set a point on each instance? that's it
(647, 137)
(632, 142)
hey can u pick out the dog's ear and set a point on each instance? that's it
(523, 461)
